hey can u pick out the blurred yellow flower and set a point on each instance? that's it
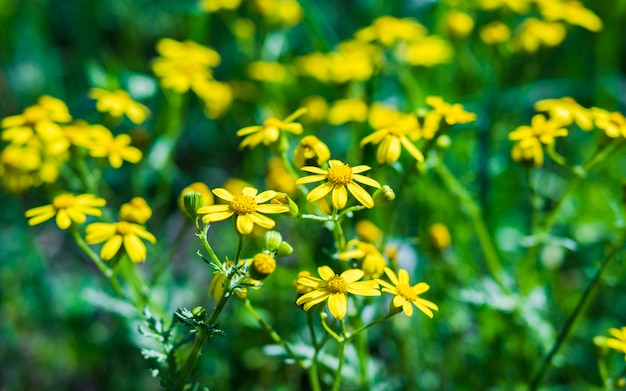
(439, 236)
(279, 178)
(530, 138)
(118, 103)
(370, 260)
(451, 113)
(217, 97)
(388, 30)
(535, 33)
(316, 108)
(334, 288)
(136, 210)
(302, 289)
(68, 209)
(246, 208)
(518, 6)
(494, 33)
(269, 132)
(217, 5)
(393, 139)
(310, 148)
(428, 51)
(459, 24)
(283, 12)
(528, 151)
(352, 60)
(43, 117)
(367, 231)
(406, 295)
(618, 342)
(117, 234)
(18, 167)
(613, 123)
(341, 178)
(566, 110)
(270, 72)
(346, 110)
(572, 12)
(430, 122)
(116, 149)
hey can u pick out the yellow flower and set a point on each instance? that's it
(389, 30)
(283, 12)
(528, 151)
(118, 103)
(302, 289)
(459, 24)
(439, 236)
(317, 108)
(534, 33)
(271, 72)
(43, 117)
(216, 5)
(371, 261)
(619, 341)
(347, 110)
(340, 178)
(428, 51)
(430, 125)
(572, 12)
(217, 97)
(406, 295)
(246, 208)
(518, 6)
(67, 208)
(495, 32)
(541, 128)
(310, 147)
(567, 110)
(368, 231)
(116, 149)
(392, 139)
(334, 288)
(136, 211)
(269, 132)
(613, 123)
(451, 113)
(117, 234)
(207, 196)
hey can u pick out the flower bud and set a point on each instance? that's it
(284, 249)
(262, 266)
(198, 313)
(284, 199)
(383, 195)
(443, 142)
(272, 240)
(192, 201)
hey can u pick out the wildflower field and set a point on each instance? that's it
(312, 195)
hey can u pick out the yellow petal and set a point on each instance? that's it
(135, 248)
(408, 309)
(338, 305)
(366, 180)
(261, 220)
(223, 194)
(339, 197)
(319, 192)
(310, 179)
(63, 219)
(245, 225)
(352, 275)
(111, 247)
(217, 216)
(265, 196)
(361, 195)
(325, 272)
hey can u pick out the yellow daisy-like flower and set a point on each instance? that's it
(246, 207)
(567, 110)
(269, 132)
(334, 288)
(118, 103)
(407, 295)
(391, 140)
(619, 341)
(67, 208)
(545, 130)
(341, 178)
(117, 149)
(451, 113)
(371, 261)
(117, 234)
(136, 211)
(613, 123)
(310, 147)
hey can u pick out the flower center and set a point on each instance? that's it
(243, 204)
(272, 122)
(406, 291)
(340, 174)
(336, 285)
(123, 228)
(264, 264)
(64, 201)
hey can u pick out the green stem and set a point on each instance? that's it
(192, 359)
(340, 239)
(340, 359)
(273, 334)
(480, 228)
(391, 313)
(314, 380)
(164, 264)
(582, 305)
(106, 271)
(239, 247)
(316, 217)
(202, 234)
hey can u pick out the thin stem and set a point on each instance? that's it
(163, 265)
(316, 217)
(582, 305)
(202, 234)
(391, 313)
(314, 380)
(273, 334)
(340, 359)
(239, 247)
(340, 240)
(190, 363)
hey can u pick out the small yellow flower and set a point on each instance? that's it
(118, 103)
(269, 132)
(428, 51)
(282, 12)
(302, 289)
(346, 110)
(451, 113)
(495, 32)
(217, 97)
(334, 288)
(317, 108)
(117, 149)
(459, 24)
(567, 110)
(545, 130)
(370, 260)
(67, 208)
(388, 30)
(216, 5)
(279, 178)
(270, 72)
(368, 231)
(341, 178)
(261, 266)
(613, 123)
(310, 147)
(136, 211)
(572, 12)
(246, 208)
(535, 33)
(393, 139)
(528, 151)
(117, 234)
(618, 342)
(439, 236)
(406, 295)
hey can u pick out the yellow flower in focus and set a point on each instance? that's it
(566, 110)
(347, 110)
(572, 12)
(534, 33)
(334, 288)
(118, 103)
(246, 208)
(389, 30)
(270, 72)
(368, 231)
(618, 342)
(217, 5)
(269, 132)
(393, 139)
(406, 295)
(207, 196)
(459, 24)
(279, 178)
(451, 113)
(310, 148)
(613, 123)
(341, 178)
(428, 51)
(136, 211)
(439, 236)
(494, 33)
(67, 208)
(370, 260)
(116, 149)
(117, 234)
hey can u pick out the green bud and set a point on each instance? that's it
(192, 202)
(198, 313)
(383, 195)
(284, 249)
(443, 142)
(284, 199)
(273, 240)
